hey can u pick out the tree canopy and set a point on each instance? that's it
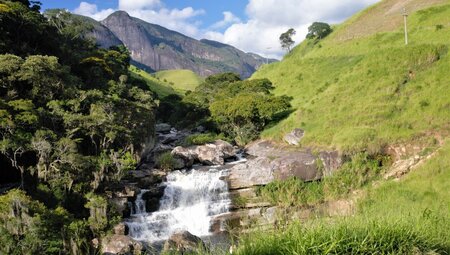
(286, 39)
(72, 121)
(318, 30)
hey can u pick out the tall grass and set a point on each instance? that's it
(410, 216)
(358, 172)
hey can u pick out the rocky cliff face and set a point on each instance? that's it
(157, 48)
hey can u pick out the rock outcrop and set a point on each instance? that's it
(121, 244)
(184, 242)
(209, 154)
(294, 137)
(157, 48)
(271, 162)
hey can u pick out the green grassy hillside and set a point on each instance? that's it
(369, 89)
(161, 88)
(180, 80)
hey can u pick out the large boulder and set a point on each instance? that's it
(208, 154)
(184, 157)
(121, 244)
(294, 137)
(268, 162)
(214, 153)
(184, 242)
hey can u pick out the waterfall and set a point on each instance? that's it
(191, 200)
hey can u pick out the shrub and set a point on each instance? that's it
(166, 161)
(200, 139)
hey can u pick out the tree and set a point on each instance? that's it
(318, 30)
(286, 39)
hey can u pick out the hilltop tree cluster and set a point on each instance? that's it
(72, 121)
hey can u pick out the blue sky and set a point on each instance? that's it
(250, 25)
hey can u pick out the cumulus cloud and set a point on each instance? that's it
(152, 11)
(91, 10)
(267, 19)
(128, 5)
(228, 18)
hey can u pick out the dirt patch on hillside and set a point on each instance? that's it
(383, 17)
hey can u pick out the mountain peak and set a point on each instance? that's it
(119, 14)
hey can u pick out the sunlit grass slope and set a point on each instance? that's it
(353, 93)
(180, 80)
(161, 88)
(410, 216)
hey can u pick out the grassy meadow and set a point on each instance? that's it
(369, 91)
(180, 80)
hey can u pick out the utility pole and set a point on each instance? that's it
(267, 58)
(405, 16)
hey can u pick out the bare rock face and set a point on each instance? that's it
(294, 137)
(121, 244)
(183, 242)
(252, 173)
(157, 48)
(272, 162)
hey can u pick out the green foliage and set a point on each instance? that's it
(166, 161)
(345, 237)
(241, 109)
(318, 30)
(247, 112)
(28, 227)
(71, 121)
(200, 139)
(292, 192)
(286, 39)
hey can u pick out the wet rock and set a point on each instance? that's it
(184, 242)
(152, 198)
(121, 244)
(163, 128)
(294, 137)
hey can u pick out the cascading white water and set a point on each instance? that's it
(191, 200)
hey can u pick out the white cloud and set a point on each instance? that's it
(228, 18)
(267, 19)
(91, 10)
(175, 19)
(128, 5)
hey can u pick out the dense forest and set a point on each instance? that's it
(73, 121)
